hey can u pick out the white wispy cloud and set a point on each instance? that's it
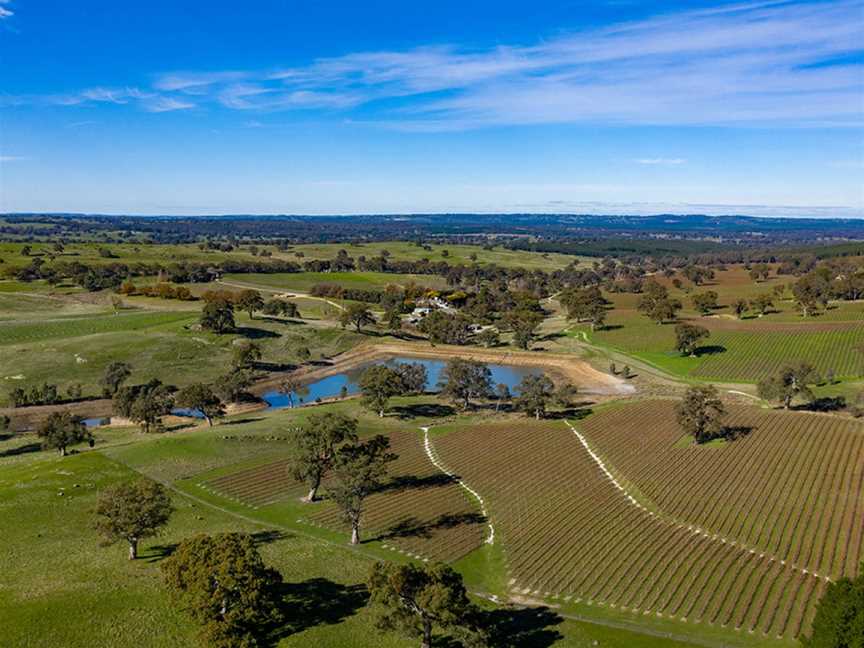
(166, 104)
(764, 62)
(4, 12)
(11, 158)
(661, 161)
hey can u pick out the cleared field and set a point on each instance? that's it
(129, 253)
(420, 511)
(303, 281)
(455, 254)
(792, 486)
(570, 532)
(21, 305)
(20, 332)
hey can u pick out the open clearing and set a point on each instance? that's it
(304, 281)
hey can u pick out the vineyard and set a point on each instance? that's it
(571, 533)
(420, 511)
(792, 486)
(741, 351)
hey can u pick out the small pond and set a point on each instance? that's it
(331, 386)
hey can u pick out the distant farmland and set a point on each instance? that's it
(741, 351)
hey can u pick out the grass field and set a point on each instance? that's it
(131, 253)
(747, 354)
(456, 254)
(59, 586)
(304, 281)
(158, 344)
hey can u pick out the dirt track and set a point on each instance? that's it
(579, 372)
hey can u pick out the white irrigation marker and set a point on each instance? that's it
(695, 530)
(433, 457)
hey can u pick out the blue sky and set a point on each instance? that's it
(312, 107)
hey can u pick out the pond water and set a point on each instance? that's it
(331, 386)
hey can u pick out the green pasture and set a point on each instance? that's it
(456, 254)
(157, 344)
(128, 253)
(304, 281)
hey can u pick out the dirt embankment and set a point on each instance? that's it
(563, 367)
(29, 418)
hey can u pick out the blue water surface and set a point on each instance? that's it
(331, 386)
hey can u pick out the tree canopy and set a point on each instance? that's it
(839, 620)
(688, 336)
(378, 384)
(223, 583)
(790, 382)
(131, 511)
(115, 375)
(62, 429)
(358, 315)
(218, 316)
(446, 328)
(358, 470)
(536, 392)
(144, 404)
(200, 397)
(315, 445)
(701, 413)
(462, 380)
(523, 323)
(414, 599)
(250, 301)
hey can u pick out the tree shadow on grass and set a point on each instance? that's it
(412, 482)
(251, 333)
(414, 528)
(155, 553)
(243, 421)
(269, 535)
(315, 602)
(571, 413)
(732, 432)
(824, 404)
(610, 327)
(522, 628)
(427, 410)
(710, 349)
(513, 627)
(27, 448)
(288, 321)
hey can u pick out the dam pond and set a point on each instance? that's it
(332, 386)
